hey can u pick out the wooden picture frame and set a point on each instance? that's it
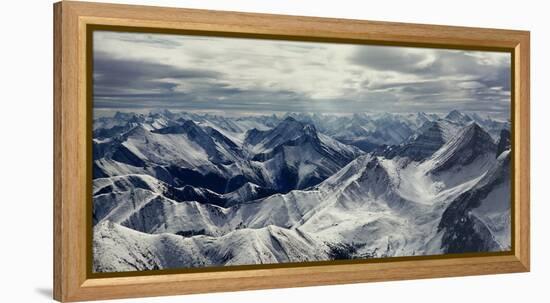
(72, 118)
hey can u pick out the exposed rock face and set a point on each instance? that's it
(470, 143)
(181, 190)
(503, 142)
(432, 137)
(473, 222)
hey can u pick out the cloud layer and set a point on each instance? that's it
(134, 70)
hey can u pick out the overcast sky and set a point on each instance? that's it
(136, 71)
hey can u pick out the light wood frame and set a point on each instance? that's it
(71, 145)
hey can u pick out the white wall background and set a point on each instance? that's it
(26, 149)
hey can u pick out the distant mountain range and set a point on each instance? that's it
(182, 189)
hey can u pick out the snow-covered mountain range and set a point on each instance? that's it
(183, 189)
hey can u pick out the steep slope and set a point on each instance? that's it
(119, 249)
(359, 205)
(118, 198)
(118, 119)
(148, 208)
(432, 136)
(390, 130)
(296, 156)
(189, 136)
(109, 127)
(203, 191)
(491, 125)
(127, 183)
(479, 219)
(371, 132)
(470, 144)
(363, 209)
(458, 117)
(289, 129)
(503, 142)
(179, 155)
(247, 192)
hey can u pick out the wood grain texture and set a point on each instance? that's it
(521, 147)
(57, 181)
(70, 146)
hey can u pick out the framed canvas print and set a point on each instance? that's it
(201, 151)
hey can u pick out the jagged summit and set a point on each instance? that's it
(299, 155)
(188, 127)
(138, 130)
(162, 113)
(423, 146)
(290, 119)
(471, 142)
(458, 116)
(433, 135)
(289, 129)
(190, 189)
(123, 115)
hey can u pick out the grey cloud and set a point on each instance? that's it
(411, 86)
(124, 83)
(116, 76)
(445, 63)
(212, 98)
(448, 79)
(388, 59)
(443, 79)
(153, 40)
(301, 48)
(498, 77)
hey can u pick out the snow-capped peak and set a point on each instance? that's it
(471, 142)
(458, 116)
